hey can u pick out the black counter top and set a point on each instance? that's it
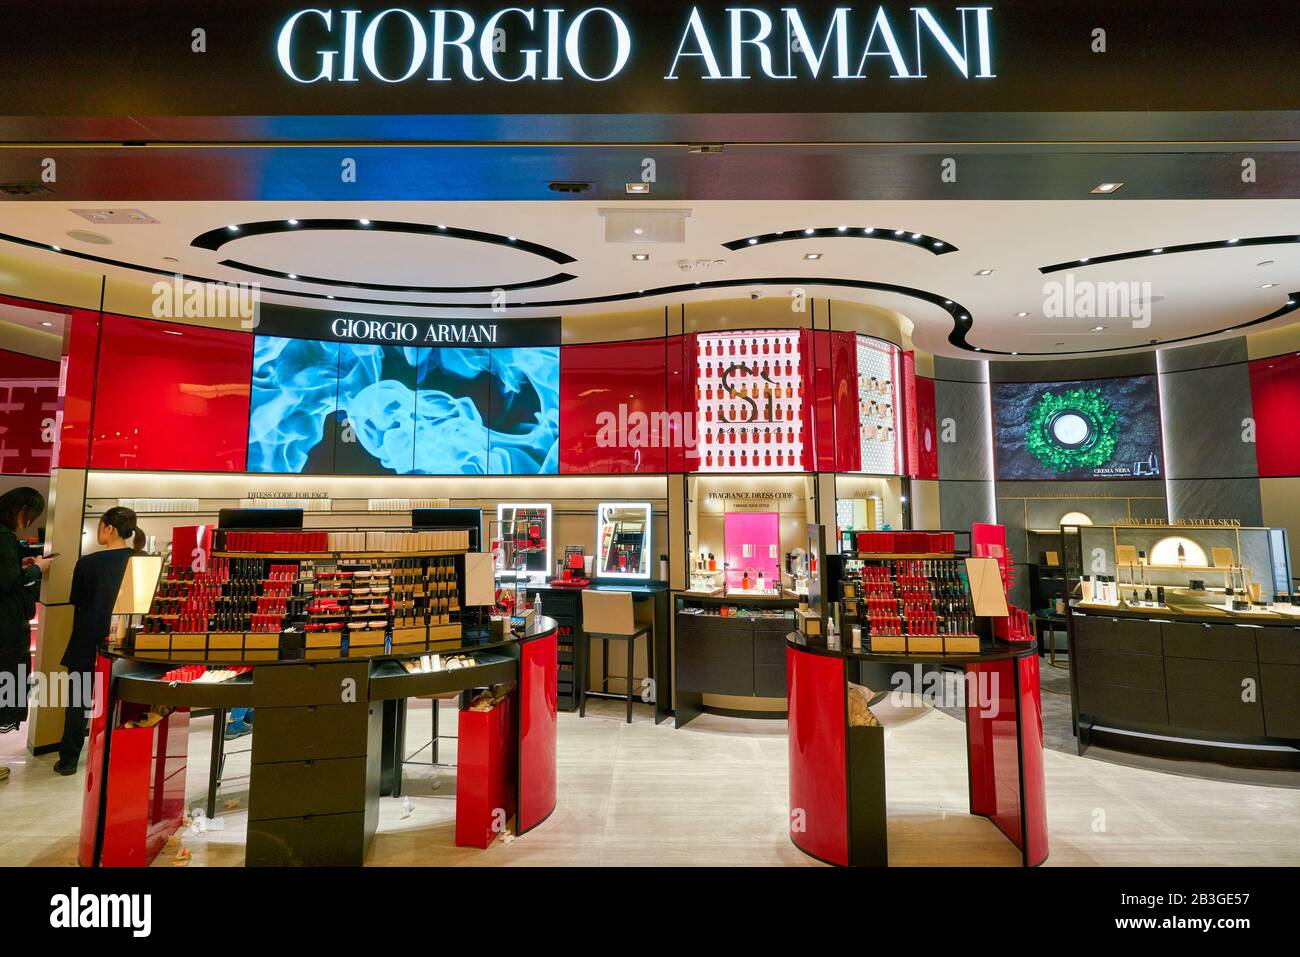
(1187, 613)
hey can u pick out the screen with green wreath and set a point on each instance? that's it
(1092, 429)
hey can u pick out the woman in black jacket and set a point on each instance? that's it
(19, 582)
(96, 580)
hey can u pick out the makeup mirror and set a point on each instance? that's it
(623, 539)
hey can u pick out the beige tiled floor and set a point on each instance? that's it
(716, 793)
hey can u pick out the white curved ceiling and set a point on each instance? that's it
(1191, 294)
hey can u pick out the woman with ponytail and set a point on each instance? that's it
(95, 583)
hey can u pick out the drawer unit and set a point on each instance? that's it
(1120, 670)
(330, 840)
(1222, 679)
(304, 684)
(1209, 642)
(302, 788)
(1280, 692)
(1098, 633)
(1279, 646)
(1219, 715)
(310, 732)
(732, 656)
(1102, 702)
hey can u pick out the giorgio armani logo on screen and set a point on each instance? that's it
(598, 44)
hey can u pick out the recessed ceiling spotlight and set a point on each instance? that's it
(442, 227)
(1098, 328)
(1231, 241)
(978, 349)
(1268, 285)
(55, 248)
(812, 256)
(1084, 259)
(937, 245)
(637, 187)
(947, 302)
(1106, 187)
(809, 231)
(233, 228)
(293, 275)
(511, 238)
(640, 257)
(293, 222)
(842, 229)
(1157, 252)
(898, 232)
(329, 297)
(47, 324)
(1022, 314)
(984, 272)
(964, 316)
(638, 231)
(1290, 302)
(364, 222)
(753, 241)
(916, 235)
(869, 230)
(1015, 353)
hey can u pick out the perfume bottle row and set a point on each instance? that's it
(745, 458)
(750, 345)
(750, 414)
(869, 385)
(753, 435)
(743, 382)
(766, 370)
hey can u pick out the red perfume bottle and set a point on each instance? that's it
(789, 345)
(742, 347)
(767, 457)
(764, 347)
(731, 347)
(708, 347)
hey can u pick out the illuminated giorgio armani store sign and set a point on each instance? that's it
(596, 44)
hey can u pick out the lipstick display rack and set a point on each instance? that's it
(277, 601)
(916, 605)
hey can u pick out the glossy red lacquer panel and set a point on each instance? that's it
(927, 433)
(1031, 749)
(485, 765)
(819, 814)
(29, 402)
(167, 790)
(682, 455)
(171, 397)
(612, 400)
(538, 721)
(92, 787)
(846, 454)
(1275, 396)
(77, 388)
(993, 746)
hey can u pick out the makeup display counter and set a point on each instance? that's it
(730, 645)
(1187, 681)
(317, 754)
(563, 604)
(837, 763)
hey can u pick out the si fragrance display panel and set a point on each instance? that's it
(749, 401)
(878, 419)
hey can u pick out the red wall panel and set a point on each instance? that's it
(77, 388)
(29, 400)
(538, 727)
(612, 399)
(171, 397)
(1275, 395)
(843, 382)
(927, 432)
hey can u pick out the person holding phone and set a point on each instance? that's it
(19, 586)
(96, 580)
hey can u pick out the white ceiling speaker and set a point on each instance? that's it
(116, 216)
(635, 225)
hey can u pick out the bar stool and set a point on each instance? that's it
(608, 616)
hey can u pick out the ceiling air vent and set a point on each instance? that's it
(564, 187)
(24, 189)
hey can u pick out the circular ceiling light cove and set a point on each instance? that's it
(1170, 250)
(214, 239)
(932, 244)
(958, 335)
(554, 280)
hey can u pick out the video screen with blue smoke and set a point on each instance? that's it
(330, 408)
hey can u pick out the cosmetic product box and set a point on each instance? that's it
(925, 644)
(889, 643)
(961, 644)
(406, 636)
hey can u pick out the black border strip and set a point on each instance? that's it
(1234, 243)
(214, 239)
(554, 280)
(931, 244)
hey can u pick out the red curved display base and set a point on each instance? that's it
(819, 815)
(538, 720)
